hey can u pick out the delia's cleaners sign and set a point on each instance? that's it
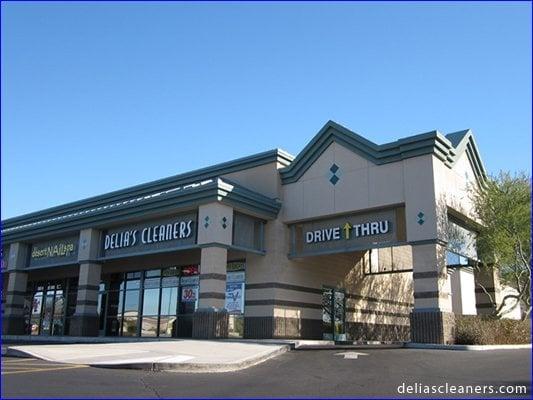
(348, 231)
(161, 234)
(151, 234)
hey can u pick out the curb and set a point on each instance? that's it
(9, 352)
(196, 367)
(172, 367)
(305, 347)
(467, 347)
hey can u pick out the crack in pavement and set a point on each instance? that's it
(150, 387)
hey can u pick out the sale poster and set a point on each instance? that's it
(189, 294)
(234, 297)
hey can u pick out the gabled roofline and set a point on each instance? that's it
(464, 141)
(175, 200)
(432, 142)
(276, 155)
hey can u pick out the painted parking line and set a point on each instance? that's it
(22, 361)
(18, 360)
(29, 371)
(32, 365)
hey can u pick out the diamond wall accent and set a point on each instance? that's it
(224, 222)
(421, 218)
(206, 222)
(335, 172)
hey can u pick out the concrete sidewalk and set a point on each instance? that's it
(177, 355)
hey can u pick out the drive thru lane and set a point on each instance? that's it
(312, 373)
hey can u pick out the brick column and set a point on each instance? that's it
(215, 225)
(84, 322)
(13, 319)
(211, 319)
(432, 319)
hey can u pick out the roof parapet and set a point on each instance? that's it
(434, 142)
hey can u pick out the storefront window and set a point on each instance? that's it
(169, 305)
(157, 302)
(169, 300)
(129, 326)
(150, 308)
(35, 320)
(131, 312)
(57, 324)
(47, 304)
(387, 260)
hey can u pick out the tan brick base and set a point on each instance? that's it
(210, 324)
(84, 325)
(432, 327)
(13, 325)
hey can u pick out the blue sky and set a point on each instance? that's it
(98, 97)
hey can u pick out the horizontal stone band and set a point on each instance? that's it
(428, 274)
(88, 287)
(14, 306)
(286, 303)
(15, 293)
(86, 303)
(376, 300)
(491, 290)
(278, 285)
(485, 305)
(213, 295)
(377, 312)
(430, 295)
(219, 277)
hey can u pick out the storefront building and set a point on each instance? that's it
(350, 241)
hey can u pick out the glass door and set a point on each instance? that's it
(327, 326)
(339, 333)
(333, 314)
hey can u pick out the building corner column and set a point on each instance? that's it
(210, 320)
(432, 319)
(85, 320)
(13, 322)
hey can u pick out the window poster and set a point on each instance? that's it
(36, 306)
(189, 294)
(234, 298)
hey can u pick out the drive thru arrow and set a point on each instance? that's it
(351, 354)
(347, 228)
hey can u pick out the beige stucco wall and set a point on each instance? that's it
(263, 179)
(211, 226)
(340, 270)
(364, 185)
(453, 188)
(361, 186)
(462, 287)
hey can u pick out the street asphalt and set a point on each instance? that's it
(310, 373)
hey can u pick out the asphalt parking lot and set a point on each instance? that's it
(312, 373)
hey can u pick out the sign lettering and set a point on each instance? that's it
(57, 250)
(349, 231)
(160, 234)
(153, 234)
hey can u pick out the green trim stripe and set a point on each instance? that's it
(172, 201)
(145, 189)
